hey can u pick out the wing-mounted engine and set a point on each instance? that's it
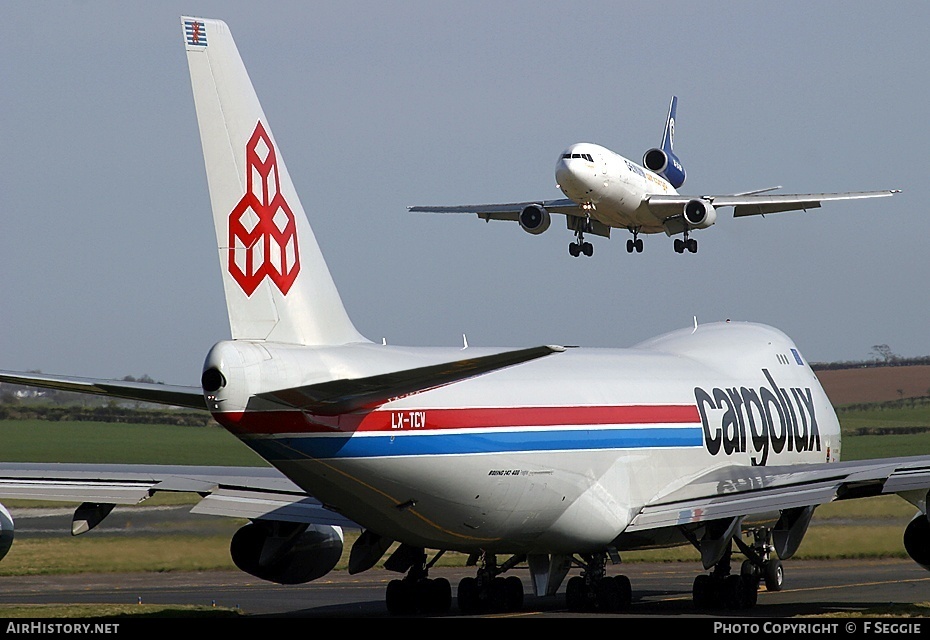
(699, 214)
(666, 164)
(534, 219)
(917, 540)
(6, 531)
(286, 552)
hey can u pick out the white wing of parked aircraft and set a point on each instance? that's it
(606, 191)
(543, 458)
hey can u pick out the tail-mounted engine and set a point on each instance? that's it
(286, 552)
(666, 164)
(534, 219)
(699, 214)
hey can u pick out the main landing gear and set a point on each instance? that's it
(489, 592)
(580, 246)
(594, 590)
(416, 592)
(689, 244)
(726, 590)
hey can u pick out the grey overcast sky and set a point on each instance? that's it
(107, 248)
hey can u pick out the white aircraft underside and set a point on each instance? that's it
(559, 457)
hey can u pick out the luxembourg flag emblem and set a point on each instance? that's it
(196, 32)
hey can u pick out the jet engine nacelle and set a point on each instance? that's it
(534, 219)
(286, 552)
(699, 214)
(6, 531)
(666, 164)
(917, 540)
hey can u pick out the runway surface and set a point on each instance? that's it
(659, 590)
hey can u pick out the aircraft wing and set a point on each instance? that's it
(735, 491)
(751, 204)
(342, 396)
(173, 395)
(240, 492)
(506, 211)
(718, 501)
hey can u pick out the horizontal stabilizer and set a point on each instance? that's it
(342, 396)
(173, 395)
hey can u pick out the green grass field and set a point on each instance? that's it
(105, 442)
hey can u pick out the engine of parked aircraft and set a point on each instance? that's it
(286, 552)
(917, 540)
(666, 164)
(6, 531)
(534, 219)
(700, 214)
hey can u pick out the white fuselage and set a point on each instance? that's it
(611, 187)
(553, 455)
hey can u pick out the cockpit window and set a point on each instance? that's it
(579, 156)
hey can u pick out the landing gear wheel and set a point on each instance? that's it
(468, 596)
(435, 596)
(638, 245)
(733, 592)
(626, 591)
(514, 593)
(751, 587)
(574, 249)
(497, 595)
(692, 245)
(608, 595)
(630, 246)
(774, 575)
(400, 598)
(703, 593)
(614, 594)
(575, 594)
(679, 245)
(588, 249)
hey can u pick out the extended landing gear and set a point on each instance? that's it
(724, 590)
(689, 244)
(721, 589)
(580, 246)
(635, 243)
(489, 591)
(761, 563)
(594, 590)
(417, 593)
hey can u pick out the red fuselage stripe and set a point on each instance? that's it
(270, 422)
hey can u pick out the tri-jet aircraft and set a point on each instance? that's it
(544, 461)
(606, 191)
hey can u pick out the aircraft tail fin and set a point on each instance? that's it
(663, 160)
(277, 285)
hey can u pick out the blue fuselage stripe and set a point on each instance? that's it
(366, 446)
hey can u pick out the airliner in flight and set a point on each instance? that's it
(606, 191)
(543, 461)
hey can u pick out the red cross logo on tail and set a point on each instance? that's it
(262, 230)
